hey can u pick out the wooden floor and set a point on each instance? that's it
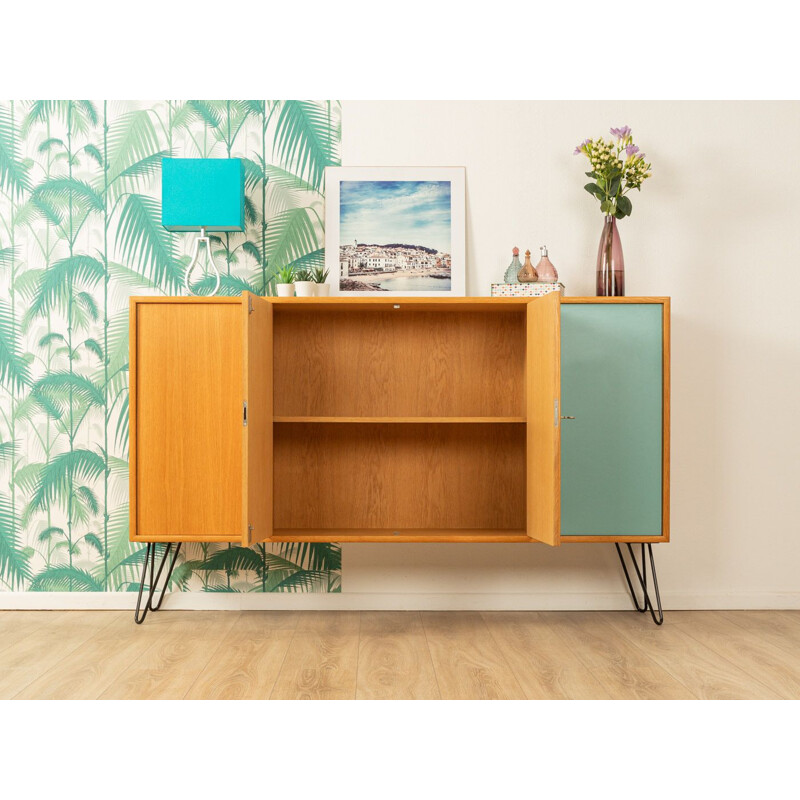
(399, 655)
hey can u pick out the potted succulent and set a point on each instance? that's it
(284, 281)
(320, 277)
(303, 284)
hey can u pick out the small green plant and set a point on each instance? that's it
(319, 275)
(302, 275)
(285, 274)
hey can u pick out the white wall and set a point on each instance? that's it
(717, 228)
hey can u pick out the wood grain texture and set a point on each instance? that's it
(338, 420)
(186, 401)
(167, 670)
(257, 479)
(761, 659)
(18, 625)
(625, 671)
(544, 666)
(687, 660)
(400, 535)
(543, 408)
(416, 363)
(133, 417)
(776, 629)
(92, 667)
(394, 662)
(246, 663)
(345, 359)
(333, 304)
(400, 476)
(253, 655)
(788, 614)
(46, 646)
(466, 658)
(322, 660)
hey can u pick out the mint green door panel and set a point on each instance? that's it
(611, 382)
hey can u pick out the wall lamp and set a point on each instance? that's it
(202, 195)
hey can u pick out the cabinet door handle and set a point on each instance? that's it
(567, 417)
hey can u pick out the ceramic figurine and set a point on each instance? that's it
(527, 274)
(545, 269)
(513, 268)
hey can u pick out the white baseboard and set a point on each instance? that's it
(392, 602)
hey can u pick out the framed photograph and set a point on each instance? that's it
(395, 231)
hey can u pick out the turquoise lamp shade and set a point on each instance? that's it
(202, 194)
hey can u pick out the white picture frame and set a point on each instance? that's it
(388, 206)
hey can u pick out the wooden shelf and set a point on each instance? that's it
(423, 420)
(399, 535)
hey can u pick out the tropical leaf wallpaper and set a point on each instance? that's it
(80, 231)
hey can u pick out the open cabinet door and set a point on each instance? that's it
(543, 408)
(257, 420)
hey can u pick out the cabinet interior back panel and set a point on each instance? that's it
(399, 475)
(611, 456)
(189, 425)
(402, 362)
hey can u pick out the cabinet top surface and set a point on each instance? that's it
(431, 302)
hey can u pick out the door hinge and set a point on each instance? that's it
(244, 413)
(249, 304)
(556, 413)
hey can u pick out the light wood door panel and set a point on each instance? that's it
(257, 434)
(186, 420)
(542, 393)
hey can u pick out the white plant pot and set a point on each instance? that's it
(323, 289)
(284, 289)
(305, 288)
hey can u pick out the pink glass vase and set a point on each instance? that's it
(610, 263)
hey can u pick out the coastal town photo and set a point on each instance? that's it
(395, 236)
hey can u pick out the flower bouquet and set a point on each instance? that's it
(617, 167)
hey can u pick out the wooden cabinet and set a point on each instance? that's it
(391, 420)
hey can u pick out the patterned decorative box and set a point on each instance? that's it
(525, 289)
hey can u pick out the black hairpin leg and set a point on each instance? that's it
(155, 577)
(647, 603)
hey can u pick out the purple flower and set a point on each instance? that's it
(631, 149)
(581, 148)
(622, 132)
